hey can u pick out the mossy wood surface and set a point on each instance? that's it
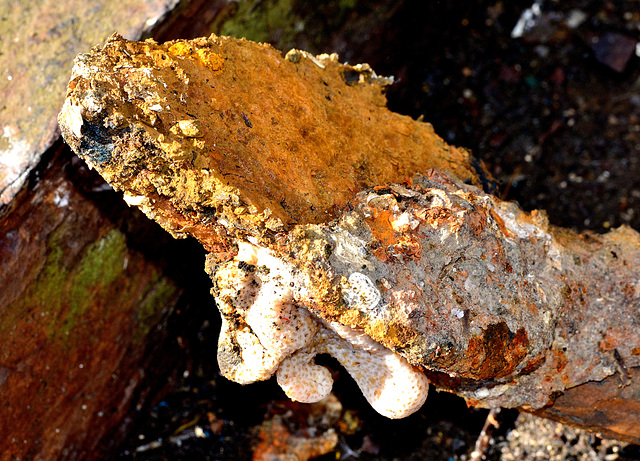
(76, 308)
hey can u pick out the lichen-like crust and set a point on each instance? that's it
(267, 329)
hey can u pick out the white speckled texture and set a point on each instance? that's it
(264, 329)
(274, 327)
(390, 384)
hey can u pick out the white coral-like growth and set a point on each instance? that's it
(272, 327)
(266, 329)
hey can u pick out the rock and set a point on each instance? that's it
(493, 303)
(613, 50)
(38, 45)
(300, 432)
(281, 143)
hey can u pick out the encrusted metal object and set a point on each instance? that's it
(324, 240)
(493, 303)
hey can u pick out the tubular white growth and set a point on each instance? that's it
(266, 330)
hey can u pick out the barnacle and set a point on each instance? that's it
(361, 293)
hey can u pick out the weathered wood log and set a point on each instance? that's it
(78, 305)
(39, 42)
(82, 307)
(284, 169)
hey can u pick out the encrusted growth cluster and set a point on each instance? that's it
(361, 293)
(231, 142)
(267, 329)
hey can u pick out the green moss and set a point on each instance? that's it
(66, 293)
(259, 20)
(287, 23)
(69, 294)
(102, 263)
(53, 277)
(161, 293)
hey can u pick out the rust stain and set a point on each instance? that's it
(497, 352)
(533, 365)
(560, 360)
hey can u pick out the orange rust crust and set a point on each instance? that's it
(233, 126)
(498, 351)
